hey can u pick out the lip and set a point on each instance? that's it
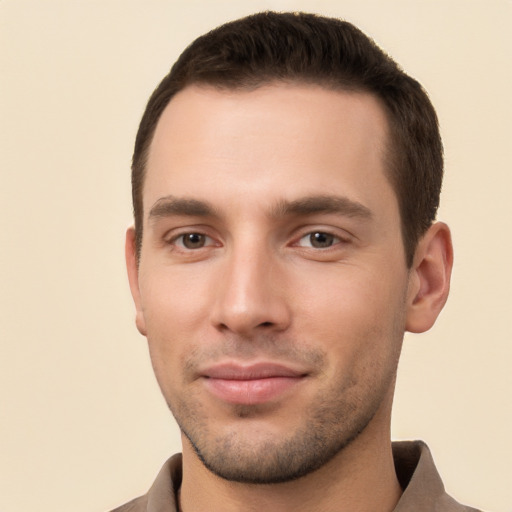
(250, 384)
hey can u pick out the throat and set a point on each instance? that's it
(351, 481)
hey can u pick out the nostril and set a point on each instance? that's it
(266, 324)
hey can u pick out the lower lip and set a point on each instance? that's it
(250, 392)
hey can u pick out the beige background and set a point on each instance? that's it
(82, 423)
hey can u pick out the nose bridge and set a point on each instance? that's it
(249, 295)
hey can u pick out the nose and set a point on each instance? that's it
(250, 297)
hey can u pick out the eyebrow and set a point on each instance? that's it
(322, 204)
(169, 205)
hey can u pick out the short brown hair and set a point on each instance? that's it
(310, 49)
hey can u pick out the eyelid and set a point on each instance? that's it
(172, 236)
(336, 240)
(179, 241)
(341, 236)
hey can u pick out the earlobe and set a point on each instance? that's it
(133, 278)
(429, 281)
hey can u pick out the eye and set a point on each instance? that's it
(192, 241)
(318, 240)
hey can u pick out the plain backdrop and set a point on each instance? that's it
(82, 424)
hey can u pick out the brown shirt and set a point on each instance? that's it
(417, 474)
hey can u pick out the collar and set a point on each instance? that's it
(423, 489)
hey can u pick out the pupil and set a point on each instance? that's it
(193, 240)
(321, 240)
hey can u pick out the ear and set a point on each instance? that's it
(133, 278)
(429, 281)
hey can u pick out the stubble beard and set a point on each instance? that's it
(338, 416)
(274, 461)
(323, 430)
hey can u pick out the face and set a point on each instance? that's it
(272, 283)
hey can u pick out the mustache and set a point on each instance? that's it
(266, 347)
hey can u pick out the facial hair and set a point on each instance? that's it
(338, 415)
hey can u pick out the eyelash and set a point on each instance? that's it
(332, 240)
(321, 237)
(179, 240)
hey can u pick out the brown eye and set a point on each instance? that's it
(320, 240)
(193, 240)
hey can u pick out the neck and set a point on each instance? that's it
(361, 477)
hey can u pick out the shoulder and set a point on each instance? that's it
(136, 505)
(423, 489)
(161, 496)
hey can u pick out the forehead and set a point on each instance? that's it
(277, 140)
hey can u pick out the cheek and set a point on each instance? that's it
(359, 315)
(173, 308)
(351, 296)
(173, 301)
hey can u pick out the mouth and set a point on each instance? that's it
(251, 384)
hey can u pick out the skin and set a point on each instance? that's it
(272, 236)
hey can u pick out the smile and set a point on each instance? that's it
(250, 385)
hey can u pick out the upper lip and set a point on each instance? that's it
(253, 371)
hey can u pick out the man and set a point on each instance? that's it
(286, 177)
